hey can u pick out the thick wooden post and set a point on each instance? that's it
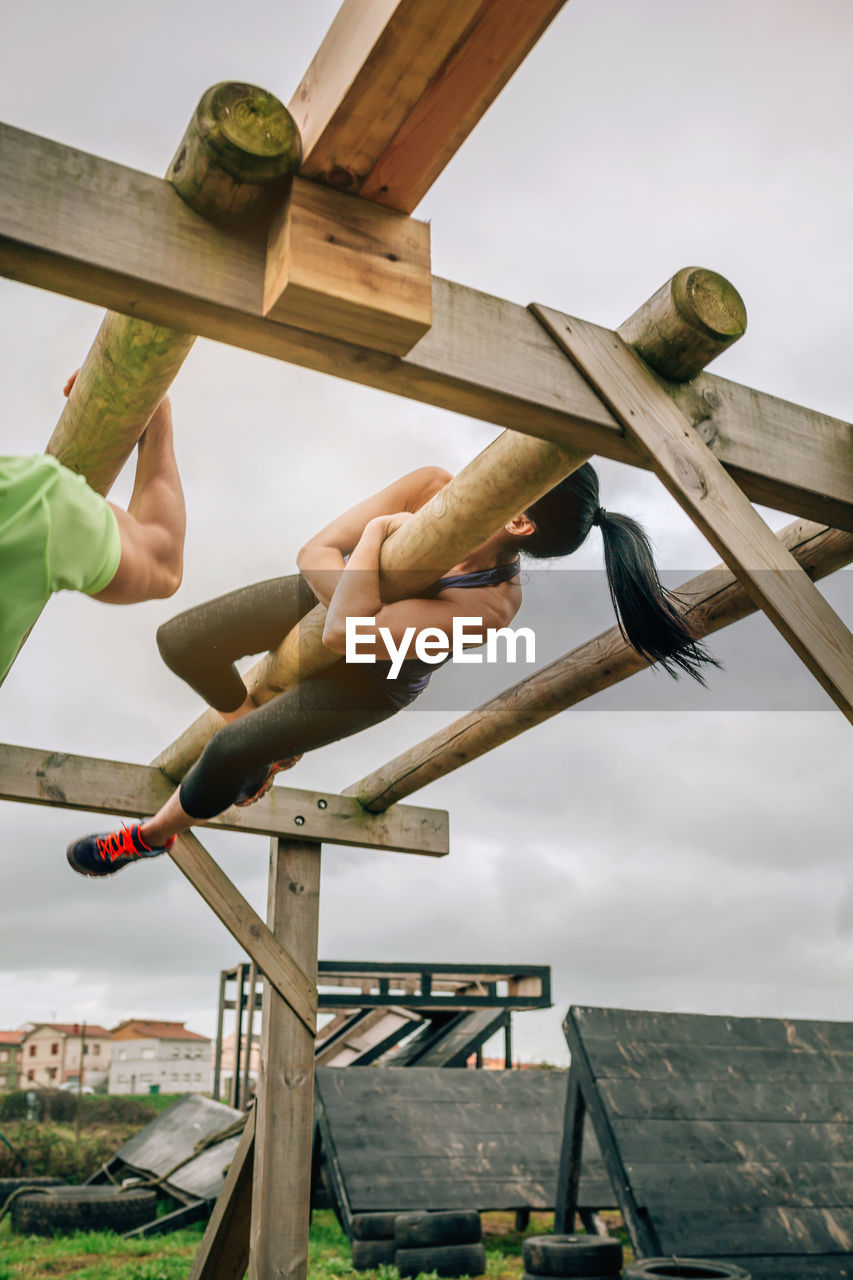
(220, 1018)
(238, 149)
(571, 1154)
(239, 1000)
(510, 474)
(284, 1104)
(246, 1085)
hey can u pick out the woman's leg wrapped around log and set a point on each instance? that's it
(202, 644)
(323, 709)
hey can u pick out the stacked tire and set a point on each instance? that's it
(449, 1244)
(694, 1268)
(373, 1240)
(582, 1257)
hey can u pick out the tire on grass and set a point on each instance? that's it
(688, 1268)
(444, 1259)
(422, 1230)
(373, 1226)
(572, 1256)
(368, 1254)
(58, 1210)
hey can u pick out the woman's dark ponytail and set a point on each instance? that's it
(648, 619)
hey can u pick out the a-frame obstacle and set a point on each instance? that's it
(337, 279)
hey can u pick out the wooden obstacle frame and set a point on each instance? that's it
(377, 1004)
(385, 1141)
(723, 1138)
(326, 268)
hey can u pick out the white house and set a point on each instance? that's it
(159, 1057)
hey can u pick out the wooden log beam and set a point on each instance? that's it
(122, 240)
(32, 776)
(715, 599)
(232, 160)
(397, 85)
(281, 1196)
(694, 477)
(691, 320)
(505, 478)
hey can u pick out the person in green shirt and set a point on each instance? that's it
(58, 534)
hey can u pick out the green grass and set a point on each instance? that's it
(156, 1101)
(97, 1255)
(102, 1256)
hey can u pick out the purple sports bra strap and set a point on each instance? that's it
(480, 578)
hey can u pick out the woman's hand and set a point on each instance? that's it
(386, 525)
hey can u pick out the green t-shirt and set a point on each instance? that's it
(56, 534)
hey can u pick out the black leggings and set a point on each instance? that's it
(201, 647)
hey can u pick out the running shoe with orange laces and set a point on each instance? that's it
(102, 855)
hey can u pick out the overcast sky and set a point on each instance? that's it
(656, 858)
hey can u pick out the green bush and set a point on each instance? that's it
(60, 1106)
(13, 1106)
(54, 1150)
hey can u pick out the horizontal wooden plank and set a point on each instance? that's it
(629, 1060)
(541, 1091)
(83, 226)
(700, 1142)
(736, 1232)
(133, 790)
(463, 1119)
(485, 1195)
(727, 1099)
(397, 85)
(801, 1184)
(471, 1143)
(711, 1030)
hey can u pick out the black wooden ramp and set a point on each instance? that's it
(725, 1138)
(447, 1138)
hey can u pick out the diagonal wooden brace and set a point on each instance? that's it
(243, 922)
(719, 508)
(224, 1250)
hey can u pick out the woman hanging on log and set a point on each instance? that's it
(58, 534)
(340, 568)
